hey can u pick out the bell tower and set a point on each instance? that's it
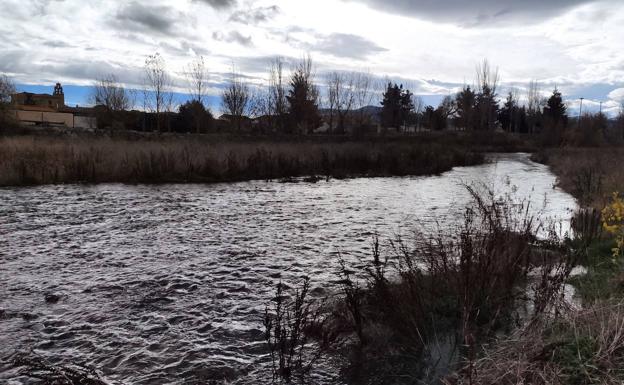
(59, 96)
(58, 89)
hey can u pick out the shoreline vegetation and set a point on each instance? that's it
(428, 306)
(48, 158)
(486, 303)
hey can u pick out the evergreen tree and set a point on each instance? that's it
(555, 110)
(397, 105)
(487, 109)
(555, 120)
(303, 98)
(508, 115)
(429, 117)
(440, 119)
(523, 121)
(193, 114)
(391, 106)
(465, 102)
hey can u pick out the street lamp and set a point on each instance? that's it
(580, 113)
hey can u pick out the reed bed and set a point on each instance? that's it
(36, 160)
(592, 175)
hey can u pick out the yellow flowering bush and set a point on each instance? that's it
(613, 222)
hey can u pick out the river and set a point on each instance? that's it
(167, 284)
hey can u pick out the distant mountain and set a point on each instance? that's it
(374, 110)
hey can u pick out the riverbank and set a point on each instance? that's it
(583, 343)
(594, 176)
(475, 331)
(59, 159)
(591, 175)
(430, 303)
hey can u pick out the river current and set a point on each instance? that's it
(168, 284)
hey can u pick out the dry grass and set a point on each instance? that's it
(592, 175)
(32, 160)
(583, 347)
(580, 346)
(459, 288)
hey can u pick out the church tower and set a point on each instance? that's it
(59, 96)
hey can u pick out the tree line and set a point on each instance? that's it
(292, 103)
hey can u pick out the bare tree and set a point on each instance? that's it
(419, 107)
(197, 77)
(487, 84)
(332, 101)
(364, 96)
(236, 99)
(447, 109)
(7, 88)
(157, 94)
(108, 92)
(114, 97)
(534, 104)
(342, 95)
(277, 92)
(533, 97)
(487, 78)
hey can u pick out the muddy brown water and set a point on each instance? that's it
(168, 284)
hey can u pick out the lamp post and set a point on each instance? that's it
(580, 113)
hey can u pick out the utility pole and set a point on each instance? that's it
(600, 108)
(580, 113)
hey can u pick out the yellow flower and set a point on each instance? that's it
(613, 222)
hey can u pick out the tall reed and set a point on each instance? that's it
(32, 160)
(430, 305)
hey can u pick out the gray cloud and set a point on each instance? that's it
(233, 37)
(255, 15)
(346, 46)
(476, 12)
(218, 4)
(23, 65)
(56, 43)
(183, 47)
(259, 64)
(140, 17)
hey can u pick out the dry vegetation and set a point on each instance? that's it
(485, 304)
(32, 160)
(426, 308)
(580, 347)
(592, 175)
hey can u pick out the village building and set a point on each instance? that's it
(50, 110)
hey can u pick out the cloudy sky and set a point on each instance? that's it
(431, 45)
